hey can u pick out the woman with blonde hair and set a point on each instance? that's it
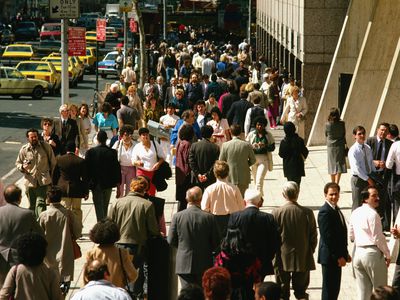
(295, 110)
(85, 127)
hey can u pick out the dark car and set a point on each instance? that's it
(26, 31)
(6, 37)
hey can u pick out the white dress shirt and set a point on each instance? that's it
(394, 157)
(148, 157)
(357, 160)
(365, 229)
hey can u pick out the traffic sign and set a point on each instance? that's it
(132, 25)
(101, 30)
(64, 9)
(125, 5)
(76, 41)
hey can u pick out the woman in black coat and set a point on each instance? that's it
(293, 151)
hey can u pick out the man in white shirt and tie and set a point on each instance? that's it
(371, 255)
(361, 165)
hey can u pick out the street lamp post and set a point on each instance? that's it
(249, 28)
(165, 20)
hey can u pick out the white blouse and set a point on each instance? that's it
(148, 157)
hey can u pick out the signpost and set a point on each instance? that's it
(64, 10)
(100, 36)
(125, 6)
(76, 41)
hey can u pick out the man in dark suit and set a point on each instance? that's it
(259, 229)
(66, 129)
(202, 157)
(237, 113)
(14, 221)
(104, 173)
(170, 91)
(380, 146)
(332, 251)
(195, 234)
(70, 175)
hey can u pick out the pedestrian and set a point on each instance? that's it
(85, 128)
(105, 234)
(361, 165)
(335, 132)
(66, 128)
(293, 152)
(216, 284)
(332, 250)
(237, 112)
(98, 285)
(129, 75)
(104, 173)
(60, 228)
(240, 157)
(263, 144)
(36, 161)
(371, 256)
(194, 255)
(107, 122)
(113, 97)
(221, 130)
(298, 231)
(14, 221)
(49, 136)
(183, 174)
(168, 121)
(296, 110)
(136, 219)
(127, 115)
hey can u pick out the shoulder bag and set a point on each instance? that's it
(161, 174)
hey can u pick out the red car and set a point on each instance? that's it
(51, 31)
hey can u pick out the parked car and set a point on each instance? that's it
(89, 60)
(26, 31)
(13, 83)
(107, 66)
(91, 38)
(111, 34)
(41, 70)
(6, 36)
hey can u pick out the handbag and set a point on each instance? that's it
(126, 281)
(75, 247)
(161, 174)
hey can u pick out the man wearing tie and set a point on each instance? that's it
(332, 251)
(66, 129)
(361, 165)
(380, 146)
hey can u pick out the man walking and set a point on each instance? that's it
(36, 161)
(240, 157)
(298, 231)
(195, 234)
(71, 176)
(258, 229)
(104, 173)
(66, 129)
(332, 251)
(371, 256)
(361, 165)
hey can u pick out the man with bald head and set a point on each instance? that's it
(258, 228)
(195, 234)
(14, 220)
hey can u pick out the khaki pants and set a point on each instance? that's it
(74, 205)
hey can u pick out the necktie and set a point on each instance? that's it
(367, 168)
(340, 215)
(379, 153)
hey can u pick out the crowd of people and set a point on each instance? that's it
(213, 123)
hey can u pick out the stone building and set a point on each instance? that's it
(301, 36)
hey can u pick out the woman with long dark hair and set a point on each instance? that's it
(335, 132)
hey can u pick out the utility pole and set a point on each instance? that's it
(249, 28)
(64, 62)
(165, 20)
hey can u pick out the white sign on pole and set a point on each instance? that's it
(64, 9)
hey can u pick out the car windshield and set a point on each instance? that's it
(25, 25)
(91, 34)
(18, 49)
(13, 73)
(111, 56)
(34, 67)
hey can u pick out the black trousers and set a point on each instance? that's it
(357, 185)
(331, 277)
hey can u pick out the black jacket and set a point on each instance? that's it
(293, 151)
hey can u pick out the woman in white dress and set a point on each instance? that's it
(221, 127)
(295, 110)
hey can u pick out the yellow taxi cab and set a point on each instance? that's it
(18, 52)
(43, 70)
(13, 83)
(91, 38)
(76, 61)
(72, 71)
(89, 60)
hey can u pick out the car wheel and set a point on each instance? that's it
(38, 93)
(15, 97)
(103, 75)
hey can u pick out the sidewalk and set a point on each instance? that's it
(311, 195)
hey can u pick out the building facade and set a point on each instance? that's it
(301, 36)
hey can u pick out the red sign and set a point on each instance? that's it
(132, 25)
(101, 30)
(76, 41)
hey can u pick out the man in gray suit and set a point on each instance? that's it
(195, 234)
(14, 221)
(240, 157)
(298, 231)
